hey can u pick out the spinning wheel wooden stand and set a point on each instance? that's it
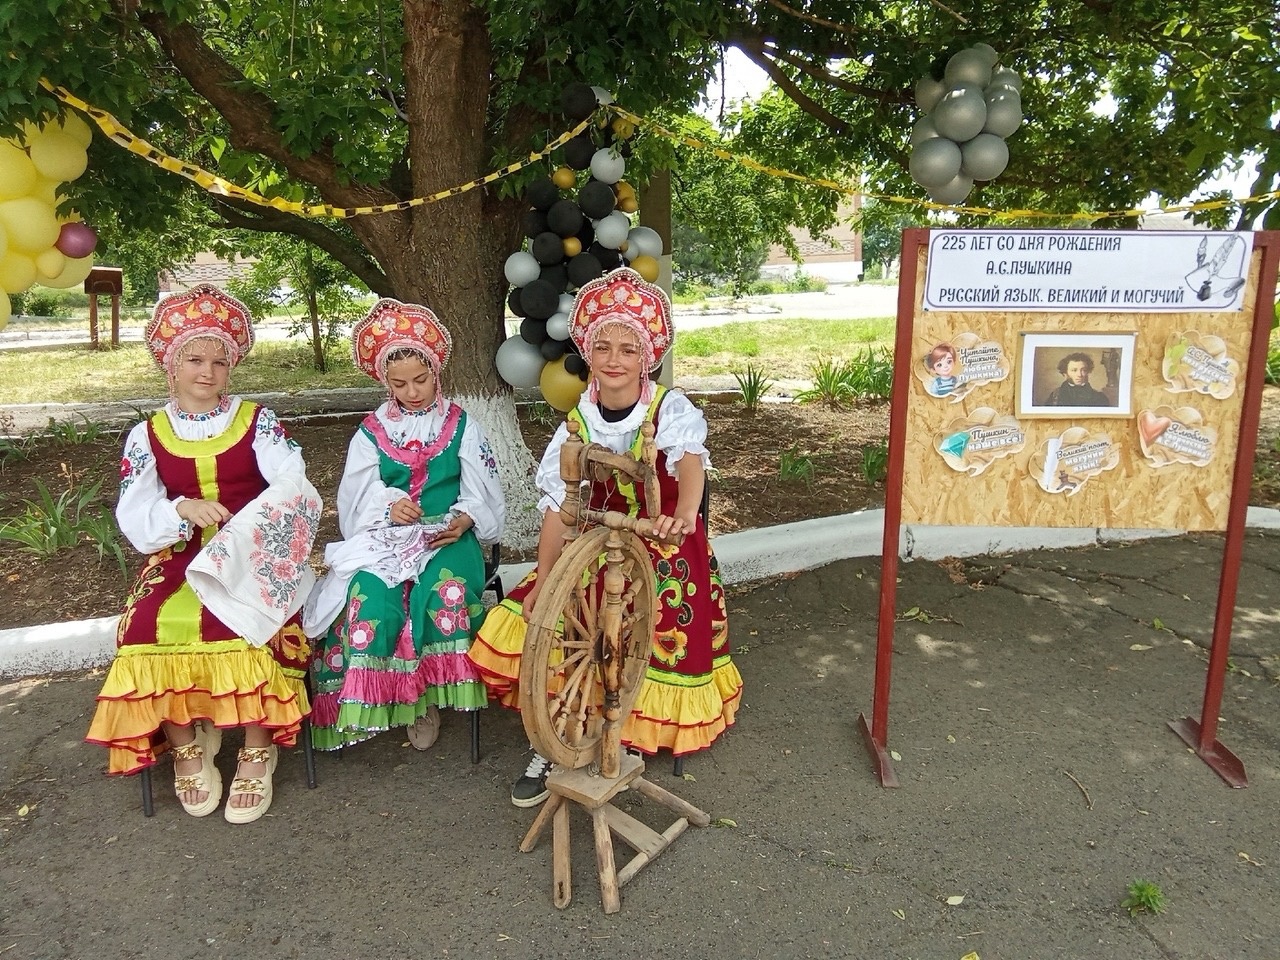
(584, 662)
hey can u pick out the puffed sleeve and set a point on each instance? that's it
(681, 429)
(144, 512)
(278, 454)
(364, 501)
(480, 491)
(547, 476)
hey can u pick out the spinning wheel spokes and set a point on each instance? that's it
(562, 689)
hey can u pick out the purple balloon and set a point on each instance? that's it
(76, 240)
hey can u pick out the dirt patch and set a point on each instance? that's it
(824, 447)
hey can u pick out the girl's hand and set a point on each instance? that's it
(452, 533)
(530, 598)
(672, 529)
(203, 513)
(404, 512)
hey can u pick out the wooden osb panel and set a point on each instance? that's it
(1133, 494)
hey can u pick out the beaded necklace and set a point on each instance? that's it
(223, 406)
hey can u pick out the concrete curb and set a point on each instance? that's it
(744, 557)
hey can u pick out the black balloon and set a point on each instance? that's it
(564, 218)
(557, 275)
(533, 223)
(579, 151)
(574, 363)
(533, 331)
(547, 248)
(539, 299)
(578, 101)
(514, 304)
(586, 234)
(552, 349)
(609, 259)
(597, 199)
(585, 373)
(542, 193)
(583, 269)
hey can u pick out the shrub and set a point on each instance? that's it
(795, 464)
(754, 385)
(875, 461)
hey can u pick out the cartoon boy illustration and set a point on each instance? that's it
(1075, 391)
(940, 362)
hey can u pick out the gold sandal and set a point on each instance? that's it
(205, 746)
(259, 786)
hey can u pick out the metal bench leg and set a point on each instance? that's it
(679, 767)
(144, 778)
(308, 754)
(475, 736)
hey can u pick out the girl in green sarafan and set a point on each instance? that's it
(419, 495)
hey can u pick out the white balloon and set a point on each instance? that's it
(960, 114)
(558, 327)
(566, 303)
(989, 52)
(953, 192)
(924, 129)
(928, 92)
(1010, 78)
(612, 231)
(519, 362)
(1004, 112)
(521, 268)
(969, 66)
(934, 162)
(644, 241)
(607, 166)
(984, 157)
(603, 96)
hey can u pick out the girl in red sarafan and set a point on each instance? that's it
(622, 326)
(182, 675)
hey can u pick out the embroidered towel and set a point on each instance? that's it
(254, 574)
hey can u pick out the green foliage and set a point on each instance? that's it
(1272, 375)
(754, 385)
(46, 526)
(41, 303)
(796, 464)
(832, 383)
(875, 461)
(68, 432)
(870, 373)
(1143, 896)
(541, 413)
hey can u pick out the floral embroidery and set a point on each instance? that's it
(455, 616)
(135, 460)
(333, 658)
(451, 592)
(281, 543)
(270, 427)
(487, 457)
(670, 646)
(179, 414)
(360, 633)
(291, 644)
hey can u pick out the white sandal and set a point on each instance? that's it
(205, 746)
(242, 786)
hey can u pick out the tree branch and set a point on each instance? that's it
(249, 114)
(821, 75)
(806, 103)
(248, 216)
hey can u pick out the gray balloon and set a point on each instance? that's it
(960, 114)
(953, 192)
(923, 130)
(934, 162)
(984, 157)
(968, 66)
(1008, 77)
(928, 92)
(1004, 112)
(988, 51)
(519, 363)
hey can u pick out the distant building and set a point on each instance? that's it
(838, 263)
(205, 268)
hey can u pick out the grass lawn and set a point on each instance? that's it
(784, 348)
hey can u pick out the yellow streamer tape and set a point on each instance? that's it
(211, 182)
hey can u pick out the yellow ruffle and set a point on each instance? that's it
(684, 719)
(496, 652)
(233, 689)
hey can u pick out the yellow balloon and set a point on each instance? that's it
(45, 190)
(628, 205)
(4, 243)
(560, 387)
(6, 310)
(572, 246)
(17, 172)
(646, 266)
(622, 190)
(623, 128)
(31, 224)
(73, 274)
(57, 156)
(49, 264)
(17, 272)
(74, 126)
(564, 178)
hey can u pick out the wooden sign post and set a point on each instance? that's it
(1078, 378)
(108, 280)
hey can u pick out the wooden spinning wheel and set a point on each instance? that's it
(585, 656)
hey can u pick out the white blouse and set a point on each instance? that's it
(147, 515)
(364, 500)
(681, 429)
